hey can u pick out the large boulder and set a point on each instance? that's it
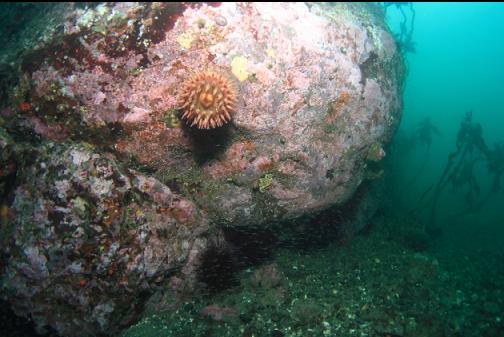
(119, 196)
(318, 88)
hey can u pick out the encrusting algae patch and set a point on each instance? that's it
(239, 68)
(185, 40)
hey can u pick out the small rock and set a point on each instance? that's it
(220, 20)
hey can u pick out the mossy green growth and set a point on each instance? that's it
(135, 71)
(375, 152)
(180, 181)
(329, 128)
(54, 92)
(191, 183)
(170, 119)
(265, 181)
(20, 92)
(118, 20)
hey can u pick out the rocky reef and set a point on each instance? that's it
(109, 196)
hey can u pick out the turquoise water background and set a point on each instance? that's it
(458, 66)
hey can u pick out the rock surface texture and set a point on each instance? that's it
(115, 196)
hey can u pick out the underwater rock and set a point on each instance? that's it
(122, 192)
(89, 241)
(218, 313)
(267, 277)
(317, 87)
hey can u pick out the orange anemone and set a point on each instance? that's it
(207, 99)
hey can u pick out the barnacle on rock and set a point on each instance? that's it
(207, 99)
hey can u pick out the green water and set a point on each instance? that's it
(458, 66)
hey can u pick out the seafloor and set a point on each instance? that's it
(387, 281)
(376, 284)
